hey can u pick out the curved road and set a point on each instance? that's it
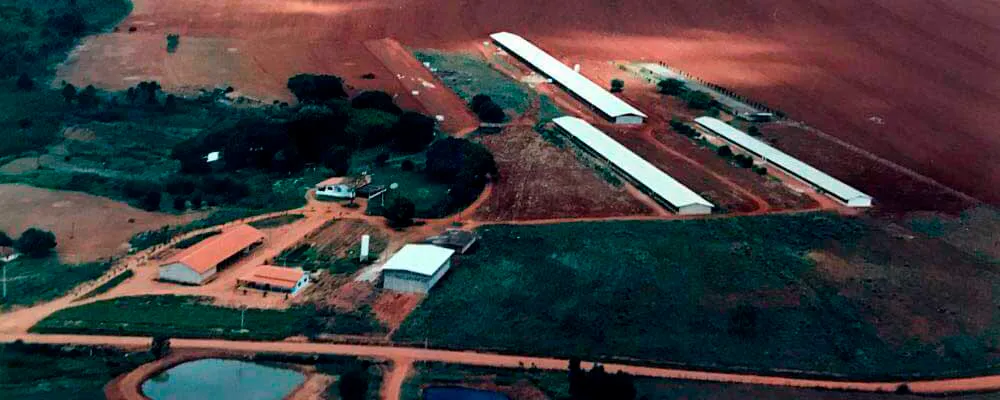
(404, 355)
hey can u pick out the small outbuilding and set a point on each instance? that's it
(416, 268)
(275, 279)
(338, 191)
(456, 239)
(199, 263)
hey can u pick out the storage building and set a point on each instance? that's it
(199, 263)
(416, 268)
(609, 105)
(657, 184)
(275, 279)
(840, 191)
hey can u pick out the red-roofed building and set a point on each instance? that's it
(199, 263)
(276, 279)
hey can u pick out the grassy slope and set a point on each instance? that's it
(662, 291)
(44, 372)
(37, 280)
(172, 316)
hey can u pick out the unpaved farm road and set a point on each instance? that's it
(402, 357)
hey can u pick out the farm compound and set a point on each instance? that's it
(660, 186)
(199, 263)
(275, 279)
(416, 268)
(840, 191)
(611, 107)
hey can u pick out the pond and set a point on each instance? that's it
(220, 379)
(461, 393)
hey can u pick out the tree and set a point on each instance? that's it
(753, 131)
(400, 212)
(173, 40)
(617, 85)
(672, 86)
(743, 160)
(150, 201)
(35, 242)
(478, 101)
(309, 88)
(160, 346)
(378, 100)
(88, 97)
(450, 157)
(698, 100)
(724, 151)
(170, 103)
(412, 132)
(25, 83)
(5, 240)
(353, 385)
(69, 93)
(338, 160)
(486, 109)
(180, 203)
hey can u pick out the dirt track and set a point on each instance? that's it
(408, 354)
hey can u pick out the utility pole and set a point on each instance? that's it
(5, 281)
(243, 313)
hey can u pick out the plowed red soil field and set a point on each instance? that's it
(926, 69)
(539, 181)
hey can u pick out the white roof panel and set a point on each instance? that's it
(639, 169)
(572, 80)
(804, 171)
(423, 259)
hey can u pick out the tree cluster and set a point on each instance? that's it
(33, 242)
(486, 109)
(309, 88)
(698, 100)
(597, 384)
(684, 129)
(466, 165)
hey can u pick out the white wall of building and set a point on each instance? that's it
(629, 120)
(178, 272)
(402, 281)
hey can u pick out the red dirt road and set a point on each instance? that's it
(926, 69)
(407, 354)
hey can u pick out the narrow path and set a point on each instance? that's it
(407, 355)
(392, 384)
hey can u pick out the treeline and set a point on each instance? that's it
(33, 242)
(597, 384)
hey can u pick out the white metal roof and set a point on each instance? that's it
(572, 80)
(423, 259)
(804, 171)
(639, 169)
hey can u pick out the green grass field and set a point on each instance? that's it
(36, 280)
(469, 75)
(429, 197)
(42, 372)
(666, 291)
(191, 316)
(106, 286)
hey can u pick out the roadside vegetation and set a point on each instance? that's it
(106, 286)
(173, 316)
(41, 371)
(726, 293)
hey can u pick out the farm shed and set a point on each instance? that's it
(275, 279)
(199, 263)
(611, 107)
(456, 239)
(840, 191)
(660, 186)
(416, 268)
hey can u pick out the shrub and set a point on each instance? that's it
(399, 213)
(35, 242)
(671, 86)
(180, 203)
(160, 346)
(376, 100)
(753, 131)
(760, 170)
(486, 109)
(309, 88)
(617, 85)
(724, 151)
(743, 160)
(698, 100)
(173, 40)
